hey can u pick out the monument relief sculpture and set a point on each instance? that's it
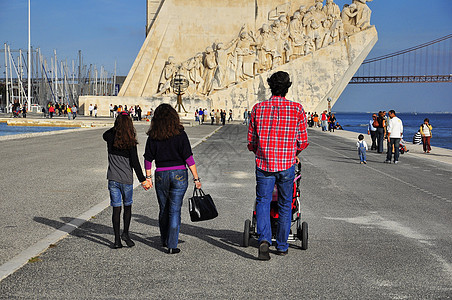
(248, 54)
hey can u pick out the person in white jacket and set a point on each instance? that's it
(394, 134)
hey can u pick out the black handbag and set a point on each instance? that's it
(201, 206)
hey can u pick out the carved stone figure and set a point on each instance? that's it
(167, 75)
(210, 65)
(266, 46)
(348, 16)
(296, 32)
(313, 24)
(222, 74)
(332, 10)
(364, 13)
(245, 57)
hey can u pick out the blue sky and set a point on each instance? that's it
(109, 30)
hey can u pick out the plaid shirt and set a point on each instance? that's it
(277, 131)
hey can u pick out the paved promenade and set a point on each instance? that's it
(376, 231)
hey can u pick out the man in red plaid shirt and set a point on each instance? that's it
(276, 134)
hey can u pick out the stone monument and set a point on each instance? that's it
(226, 49)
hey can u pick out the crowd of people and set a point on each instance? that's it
(218, 117)
(327, 121)
(59, 109)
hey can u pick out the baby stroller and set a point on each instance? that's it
(301, 229)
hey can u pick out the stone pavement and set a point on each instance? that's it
(377, 231)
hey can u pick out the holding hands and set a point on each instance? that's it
(147, 184)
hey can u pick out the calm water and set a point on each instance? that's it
(10, 130)
(442, 125)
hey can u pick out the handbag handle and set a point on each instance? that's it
(198, 191)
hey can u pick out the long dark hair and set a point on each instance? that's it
(125, 134)
(165, 123)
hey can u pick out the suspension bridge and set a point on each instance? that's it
(429, 62)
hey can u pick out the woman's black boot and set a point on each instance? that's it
(116, 217)
(125, 234)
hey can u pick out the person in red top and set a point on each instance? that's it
(276, 134)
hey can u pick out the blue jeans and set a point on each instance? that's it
(362, 154)
(170, 187)
(380, 139)
(395, 143)
(324, 125)
(265, 183)
(120, 192)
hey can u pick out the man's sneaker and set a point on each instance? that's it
(396, 161)
(387, 161)
(264, 251)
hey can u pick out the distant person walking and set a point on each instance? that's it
(230, 116)
(122, 158)
(395, 133)
(169, 146)
(95, 110)
(426, 133)
(277, 133)
(372, 131)
(362, 149)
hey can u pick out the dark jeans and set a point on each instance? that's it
(393, 142)
(380, 139)
(265, 183)
(170, 187)
(373, 136)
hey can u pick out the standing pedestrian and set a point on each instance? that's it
(74, 111)
(362, 148)
(245, 117)
(201, 116)
(223, 117)
(372, 130)
(122, 158)
(90, 109)
(380, 124)
(276, 134)
(51, 110)
(212, 116)
(69, 112)
(95, 110)
(230, 116)
(426, 133)
(323, 118)
(111, 110)
(139, 111)
(169, 146)
(395, 133)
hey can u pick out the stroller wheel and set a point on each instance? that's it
(304, 236)
(246, 233)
